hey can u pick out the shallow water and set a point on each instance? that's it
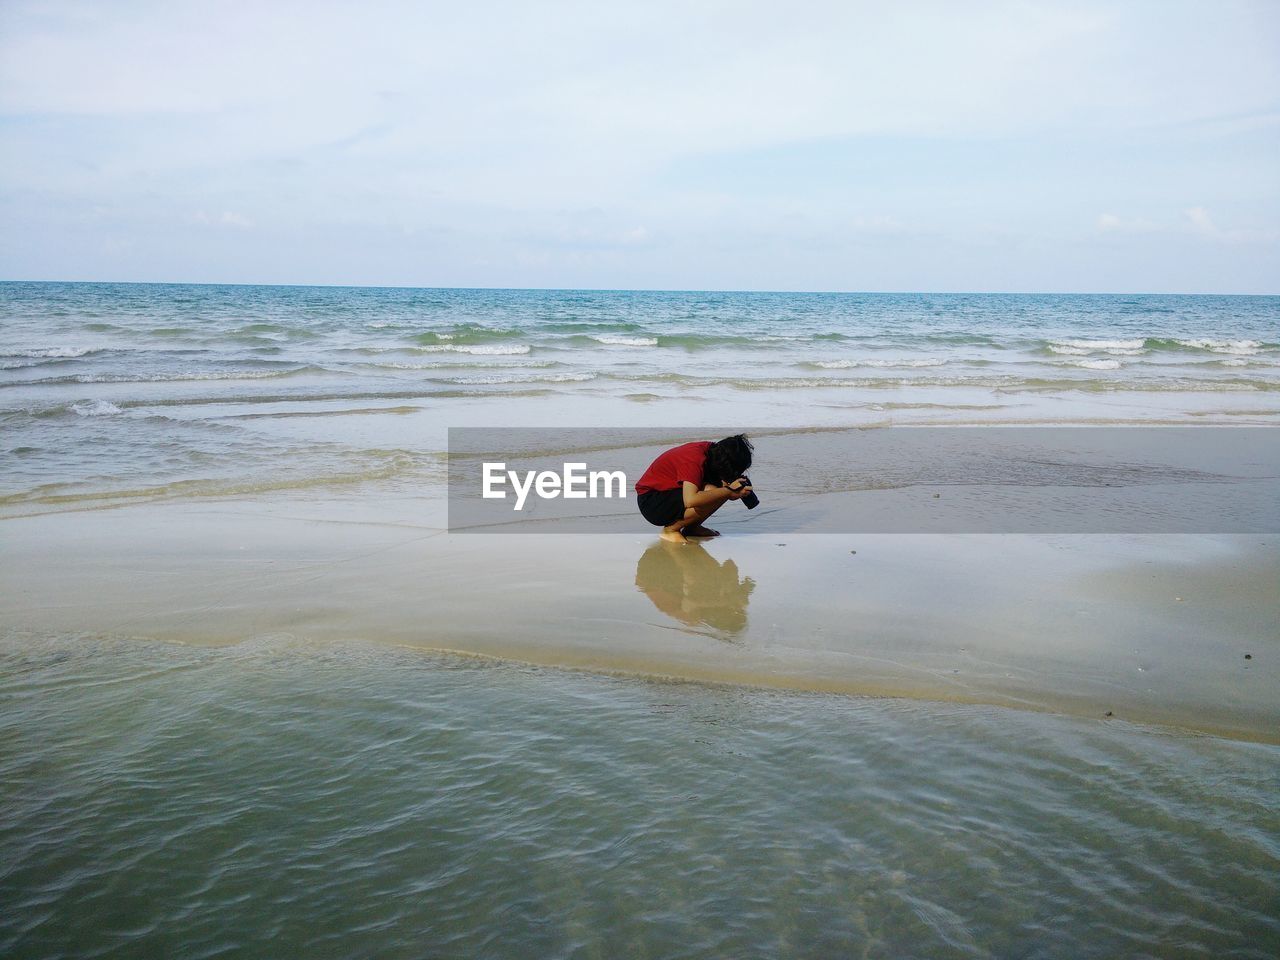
(1179, 630)
(351, 801)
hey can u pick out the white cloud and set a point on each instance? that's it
(559, 127)
(227, 218)
(1202, 223)
(1205, 226)
(1112, 223)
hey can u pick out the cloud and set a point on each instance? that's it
(515, 130)
(1112, 223)
(228, 218)
(1204, 225)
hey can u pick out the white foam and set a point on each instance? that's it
(1081, 348)
(1098, 364)
(1238, 347)
(480, 349)
(1104, 344)
(849, 364)
(94, 408)
(525, 378)
(618, 341)
(54, 352)
(168, 377)
(455, 365)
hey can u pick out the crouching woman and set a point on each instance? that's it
(687, 484)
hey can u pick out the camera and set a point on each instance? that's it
(750, 500)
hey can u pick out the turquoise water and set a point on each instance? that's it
(189, 391)
(277, 799)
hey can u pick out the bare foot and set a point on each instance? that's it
(672, 536)
(700, 531)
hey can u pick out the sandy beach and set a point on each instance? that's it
(1150, 628)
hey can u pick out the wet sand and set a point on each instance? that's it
(1177, 630)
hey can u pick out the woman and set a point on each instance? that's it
(689, 483)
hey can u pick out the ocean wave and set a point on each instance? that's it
(1098, 364)
(958, 339)
(1240, 347)
(521, 378)
(1131, 344)
(478, 349)
(51, 353)
(165, 377)
(264, 328)
(1081, 348)
(473, 334)
(590, 326)
(998, 382)
(1137, 346)
(711, 341)
(94, 408)
(615, 340)
(1153, 385)
(850, 364)
(834, 382)
(457, 365)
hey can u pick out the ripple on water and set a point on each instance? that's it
(358, 801)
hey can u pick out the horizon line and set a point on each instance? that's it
(724, 290)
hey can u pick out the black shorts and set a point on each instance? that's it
(662, 507)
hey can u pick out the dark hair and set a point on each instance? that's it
(727, 460)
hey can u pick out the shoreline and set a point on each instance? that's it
(305, 650)
(428, 464)
(1153, 629)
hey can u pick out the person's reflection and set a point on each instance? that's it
(688, 584)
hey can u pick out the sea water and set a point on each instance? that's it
(291, 800)
(289, 795)
(124, 392)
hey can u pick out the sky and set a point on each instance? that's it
(917, 146)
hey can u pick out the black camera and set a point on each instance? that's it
(751, 500)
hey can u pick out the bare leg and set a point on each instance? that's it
(691, 523)
(672, 533)
(696, 529)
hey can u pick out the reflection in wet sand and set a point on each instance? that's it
(688, 584)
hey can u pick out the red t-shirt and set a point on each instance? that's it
(674, 467)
